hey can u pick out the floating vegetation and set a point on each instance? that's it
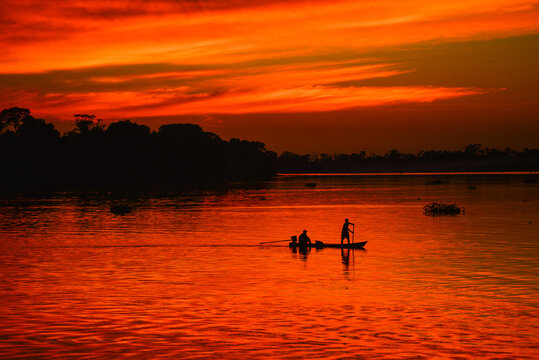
(311, 184)
(442, 208)
(120, 209)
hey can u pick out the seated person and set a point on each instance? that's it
(304, 239)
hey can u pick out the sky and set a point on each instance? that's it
(305, 76)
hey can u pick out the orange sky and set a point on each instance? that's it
(307, 76)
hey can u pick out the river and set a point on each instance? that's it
(183, 275)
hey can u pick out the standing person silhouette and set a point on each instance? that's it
(345, 234)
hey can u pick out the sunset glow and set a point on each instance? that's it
(269, 179)
(149, 60)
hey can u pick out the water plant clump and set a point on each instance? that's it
(442, 208)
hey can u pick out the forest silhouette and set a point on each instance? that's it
(472, 158)
(35, 155)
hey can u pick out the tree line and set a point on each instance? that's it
(34, 154)
(472, 157)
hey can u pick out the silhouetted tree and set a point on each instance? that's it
(472, 149)
(129, 149)
(86, 123)
(14, 118)
(28, 149)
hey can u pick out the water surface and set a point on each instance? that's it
(183, 276)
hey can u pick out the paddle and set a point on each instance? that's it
(269, 242)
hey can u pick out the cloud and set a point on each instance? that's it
(183, 101)
(140, 58)
(47, 35)
(419, 73)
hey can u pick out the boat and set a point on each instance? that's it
(321, 245)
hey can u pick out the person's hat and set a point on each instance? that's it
(304, 230)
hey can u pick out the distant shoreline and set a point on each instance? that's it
(413, 173)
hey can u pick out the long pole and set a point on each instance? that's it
(354, 232)
(269, 242)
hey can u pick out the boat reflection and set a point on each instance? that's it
(302, 251)
(347, 255)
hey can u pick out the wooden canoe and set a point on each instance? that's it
(321, 245)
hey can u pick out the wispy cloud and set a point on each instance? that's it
(133, 58)
(162, 89)
(41, 35)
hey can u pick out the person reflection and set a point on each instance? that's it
(304, 252)
(345, 254)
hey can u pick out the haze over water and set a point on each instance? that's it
(183, 276)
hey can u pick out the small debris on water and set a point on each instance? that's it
(311, 184)
(120, 209)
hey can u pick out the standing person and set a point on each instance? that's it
(303, 239)
(345, 233)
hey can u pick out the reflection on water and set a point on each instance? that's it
(183, 276)
(345, 255)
